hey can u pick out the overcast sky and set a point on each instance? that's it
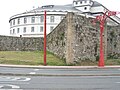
(9, 8)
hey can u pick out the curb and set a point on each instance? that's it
(11, 74)
(58, 67)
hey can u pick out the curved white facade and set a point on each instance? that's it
(31, 23)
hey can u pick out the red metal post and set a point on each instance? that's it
(102, 19)
(101, 59)
(45, 38)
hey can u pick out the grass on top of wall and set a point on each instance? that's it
(29, 58)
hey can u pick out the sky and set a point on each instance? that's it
(9, 8)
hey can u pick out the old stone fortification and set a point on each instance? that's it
(8, 43)
(56, 40)
(113, 42)
(75, 39)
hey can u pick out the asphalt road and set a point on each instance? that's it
(60, 83)
(67, 72)
(59, 79)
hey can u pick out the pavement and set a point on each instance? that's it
(54, 77)
(59, 67)
(29, 70)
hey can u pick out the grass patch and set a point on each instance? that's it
(28, 58)
(88, 63)
(36, 58)
(112, 62)
(95, 63)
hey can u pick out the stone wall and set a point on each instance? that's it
(75, 39)
(8, 43)
(113, 49)
(86, 40)
(56, 40)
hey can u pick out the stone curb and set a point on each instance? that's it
(11, 74)
(58, 67)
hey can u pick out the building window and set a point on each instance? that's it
(13, 22)
(10, 23)
(18, 20)
(85, 1)
(76, 3)
(32, 29)
(42, 18)
(52, 19)
(51, 28)
(10, 31)
(80, 2)
(25, 20)
(90, 1)
(62, 17)
(32, 19)
(13, 31)
(41, 29)
(24, 30)
(85, 8)
(18, 30)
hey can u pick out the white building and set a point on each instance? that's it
(31, 23)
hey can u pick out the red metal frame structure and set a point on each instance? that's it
(102, 19)
(45, 38)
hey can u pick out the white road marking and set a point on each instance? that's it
(117, 82)
(1, 86)
(107, 76)
(36, 69)
(12, 86)
(21, 79)
(32, 73)
(7, 77)
(15, 78)
(27, 79)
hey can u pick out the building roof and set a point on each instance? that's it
(80, 0)
(95, 4)
(56, 8)
(49, 8)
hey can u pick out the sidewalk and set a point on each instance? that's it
(58, 67)
(29, 70)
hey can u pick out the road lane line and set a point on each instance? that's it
(13, 86)
(15, 78)
(21, 79)
(36, 69)
(117, 82)
(8, 85)
(27, 79)
(107, 76)
(1, 86)
(32, 73)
